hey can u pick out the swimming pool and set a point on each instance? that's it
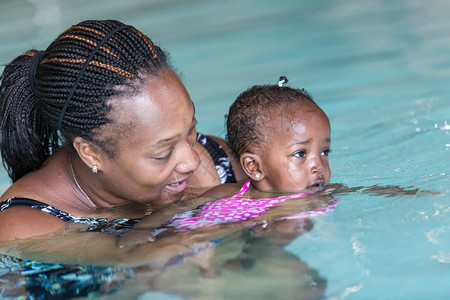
(380, 69)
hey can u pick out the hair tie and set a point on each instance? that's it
(33, 70)
(88, 60)
(282, 81)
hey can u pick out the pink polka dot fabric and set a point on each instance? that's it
(237, 208)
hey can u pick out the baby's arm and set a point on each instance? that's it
(377, 190)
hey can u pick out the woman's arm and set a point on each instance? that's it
(72, 246)
(141, 232)
(31, 234)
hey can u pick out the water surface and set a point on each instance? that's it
(380, 69)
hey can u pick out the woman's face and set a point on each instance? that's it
(155, 155)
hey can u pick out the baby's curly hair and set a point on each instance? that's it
(253, 108)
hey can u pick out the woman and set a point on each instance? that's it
(98, 119)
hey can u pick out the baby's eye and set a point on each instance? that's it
(325, 152)
(300, 154)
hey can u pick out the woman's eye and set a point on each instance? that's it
(163, 157)
(192, 135)
(325, 152)
(300, 154)
(192, 138)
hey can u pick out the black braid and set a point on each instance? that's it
(28, 126)
(252, 108)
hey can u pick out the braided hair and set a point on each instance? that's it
(252, 108)
(44, 111)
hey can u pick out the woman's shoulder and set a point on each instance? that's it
(31, 186)
(19, 216)
(26, 221)
(48, 184)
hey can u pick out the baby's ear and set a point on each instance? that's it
(251, 164)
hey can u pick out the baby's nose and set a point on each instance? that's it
(317, 166)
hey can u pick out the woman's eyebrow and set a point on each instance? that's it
(171, 138)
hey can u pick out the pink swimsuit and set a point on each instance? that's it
(236, 209)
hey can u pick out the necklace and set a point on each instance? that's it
(78, 185)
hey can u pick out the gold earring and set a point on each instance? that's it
(94, 169)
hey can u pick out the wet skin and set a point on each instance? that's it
(294, 156)
(155, 133)
(157, 158)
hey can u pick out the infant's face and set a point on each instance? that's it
(296, 154)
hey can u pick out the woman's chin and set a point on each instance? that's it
(169, 196)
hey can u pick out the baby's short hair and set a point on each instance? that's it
(252, 108)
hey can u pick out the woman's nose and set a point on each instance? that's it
(189, 160)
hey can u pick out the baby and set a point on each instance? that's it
(282, 140)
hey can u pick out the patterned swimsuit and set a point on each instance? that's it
(115, 226)
(219, 157)
(237, 208)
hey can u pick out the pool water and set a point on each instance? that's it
(380, 69)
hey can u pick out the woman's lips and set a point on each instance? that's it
(177, 187)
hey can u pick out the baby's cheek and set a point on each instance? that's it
(328, 177)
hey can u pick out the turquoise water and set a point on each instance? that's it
(380, 69)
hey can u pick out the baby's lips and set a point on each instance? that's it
(318, 185)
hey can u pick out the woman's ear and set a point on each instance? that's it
(88, 152)
(251, 164)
